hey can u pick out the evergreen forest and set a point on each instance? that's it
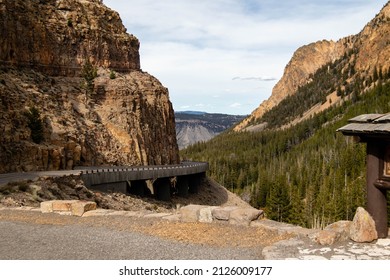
(308, 174)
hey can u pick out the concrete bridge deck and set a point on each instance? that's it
(128, 179)
(96, 176)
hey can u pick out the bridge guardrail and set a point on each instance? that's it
(98, 176)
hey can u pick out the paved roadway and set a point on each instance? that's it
(21, 176)
(139, 172)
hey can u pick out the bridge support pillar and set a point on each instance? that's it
(183, 186)
(195, 182)
(138, 187)
(162, 189)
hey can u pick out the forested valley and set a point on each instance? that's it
(307, 174)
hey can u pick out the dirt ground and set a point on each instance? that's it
(71, 187)
(219, 235)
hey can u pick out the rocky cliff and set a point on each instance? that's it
(124, 118)
(366, 51)
(56, 36)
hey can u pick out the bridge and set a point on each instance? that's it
(158, 180)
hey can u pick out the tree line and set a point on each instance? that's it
(308, 174)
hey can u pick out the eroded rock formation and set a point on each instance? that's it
(126, 119)
(56, 36)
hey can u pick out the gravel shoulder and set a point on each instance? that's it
(33, 235)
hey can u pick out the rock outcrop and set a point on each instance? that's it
(367, 51)
(56, 36)
(230, 214)
(305, 62)
(125, 119)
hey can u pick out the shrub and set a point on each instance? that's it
(112, 75)
(70, 23)
(35, 125)
(89, 73)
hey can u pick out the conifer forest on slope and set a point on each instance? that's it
(307, 174)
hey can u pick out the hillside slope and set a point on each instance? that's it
(355, 58)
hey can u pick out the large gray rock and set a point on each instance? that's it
(205, 214)
(338, 231)
(363, 227)
(223, 213)
(244, 216)
(327, 237)
(190, 213)
(342, 228)
(81, 207)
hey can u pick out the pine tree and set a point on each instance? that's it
(89, 73)
(297, 208)
(278, 203)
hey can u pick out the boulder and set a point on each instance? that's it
(342, 228)
(190, 213)
(80, 207)
(71, 207)
(327, 237)
(46, 206)
(363, 227)
(223, 213)
(205, 214)
(62, 205)
(244, 216)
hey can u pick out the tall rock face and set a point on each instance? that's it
(56, 36)
(366, 51)
(305, 62)
(372, 45)
(125, 118)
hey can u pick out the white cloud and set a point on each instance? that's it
(259, 79)
(235, 105)
(196, 47)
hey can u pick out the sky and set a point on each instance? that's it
(225, 56)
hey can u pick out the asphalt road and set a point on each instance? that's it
(173, 170)
(22, 176)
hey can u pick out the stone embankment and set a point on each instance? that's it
(360, 230)
(191, 213)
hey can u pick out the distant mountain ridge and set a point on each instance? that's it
(193, 127)
(355, 57)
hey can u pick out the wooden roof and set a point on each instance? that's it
(368, 124)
